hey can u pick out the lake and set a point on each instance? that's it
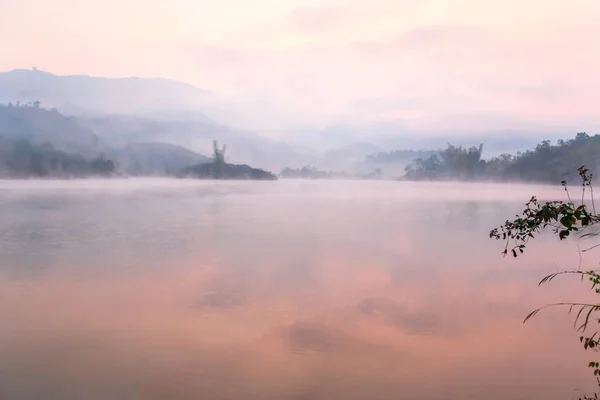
(181, 289)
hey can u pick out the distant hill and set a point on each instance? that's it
(40, 126)
(195, 133)
(24, 159)
(51, 132)
(351, 153)
(119, 111)
(125, 110)
(184, 130)
(155, 158)
(82, 93)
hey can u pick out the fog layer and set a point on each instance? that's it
(277, 290)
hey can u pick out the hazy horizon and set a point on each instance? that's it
(423, 66)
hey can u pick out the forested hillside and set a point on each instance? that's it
(546, 163)
(98, 94)
(40, 142)
(23, 159)
(33, 123)
(155, 158)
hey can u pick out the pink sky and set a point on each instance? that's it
(422, 61)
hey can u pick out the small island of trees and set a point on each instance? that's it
(219, 169)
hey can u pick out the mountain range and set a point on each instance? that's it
(87, 115)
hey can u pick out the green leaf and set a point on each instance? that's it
(566, 221)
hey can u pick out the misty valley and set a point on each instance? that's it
(35, 142)
(68, 127)
(152, 247)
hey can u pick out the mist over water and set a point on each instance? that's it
(164, 289)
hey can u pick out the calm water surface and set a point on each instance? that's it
(164, 289)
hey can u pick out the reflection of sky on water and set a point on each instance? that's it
(299, 290)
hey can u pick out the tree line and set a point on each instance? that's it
(25, 159)
(397, 156)
(546, 163)
(309, 172)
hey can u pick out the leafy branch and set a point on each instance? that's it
(563, 218)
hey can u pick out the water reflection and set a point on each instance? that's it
(288, 290)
